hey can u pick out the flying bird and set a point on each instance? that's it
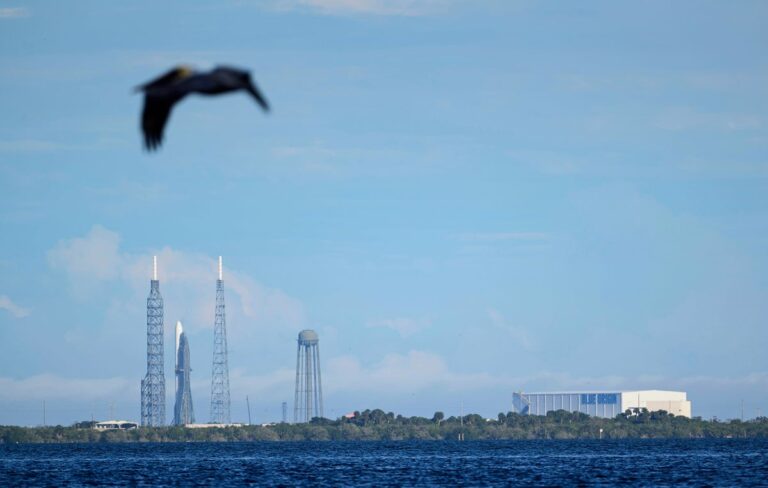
(162, 93)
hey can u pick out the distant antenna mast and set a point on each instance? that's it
(247, 402)
(221, 273)
(154, 268)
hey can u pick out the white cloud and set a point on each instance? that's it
(30, 145)
(13, 12)
(145, 192)
(402, 325)
(7, 304)
(686, 118)
(187, 281)
(94, 257)
(403, 374)
(369, 7)
(502, 236)
(270, 385)
(724, 168)
(53, 387)
(398, 373)
(517, 333)
(553, 162)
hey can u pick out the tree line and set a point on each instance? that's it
(377, 425)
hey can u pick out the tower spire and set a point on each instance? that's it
(221, 274)
(154, 268)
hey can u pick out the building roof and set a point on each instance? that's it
(580, 392)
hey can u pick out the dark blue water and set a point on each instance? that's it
(732, 462)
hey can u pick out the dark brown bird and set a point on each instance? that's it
(162, 93)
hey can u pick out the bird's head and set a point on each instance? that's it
(183, 71)
(250, 87)
(241, 79)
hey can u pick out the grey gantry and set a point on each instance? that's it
(153, 384)
(220, 376)
(162, 93)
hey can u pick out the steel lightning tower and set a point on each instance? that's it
(220, 376)
(308, 399)
(183, 413)
(153, 384)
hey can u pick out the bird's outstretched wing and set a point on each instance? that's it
(153, 119)
(169, 78)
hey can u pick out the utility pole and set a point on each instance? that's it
(247, 402)
(285, 412)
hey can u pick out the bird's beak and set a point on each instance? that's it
(255, 93)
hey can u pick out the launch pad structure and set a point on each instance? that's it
(220, 400)
(153, 384)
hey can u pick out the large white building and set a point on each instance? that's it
(602, 403)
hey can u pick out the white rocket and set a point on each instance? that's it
(179, 330)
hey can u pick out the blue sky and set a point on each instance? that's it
(464, 199)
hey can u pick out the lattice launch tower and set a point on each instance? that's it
(153, 384)
(220, 377)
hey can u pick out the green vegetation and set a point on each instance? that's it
(374, 425)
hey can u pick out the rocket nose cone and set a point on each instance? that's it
(179, 331)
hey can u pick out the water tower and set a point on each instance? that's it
(308, 400)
